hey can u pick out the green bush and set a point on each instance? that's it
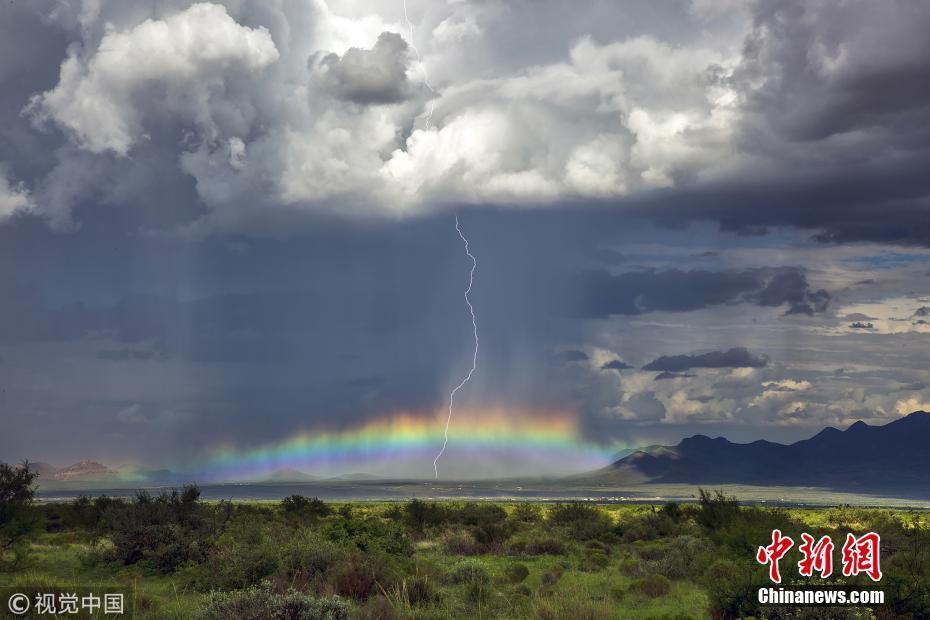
(358, 576)
(679, 558)
(419, 514)
(652, 586)
(462, 543)
(369, 534)
(517, 573)
(716, 509)
(545, 545)
(18, 519)
(470, 572)
(305, 507)
(308, 555)
(492, 535)
(473, 513)
(551, 576)
(260, 603)
(731, 589)
(415, 591)
(594, 560)
(527, 512)
(167, 530)
(242, 556)
(583, 522)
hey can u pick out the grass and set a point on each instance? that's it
(57, 560)
(615, 571)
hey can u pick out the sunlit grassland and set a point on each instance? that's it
(452, 559)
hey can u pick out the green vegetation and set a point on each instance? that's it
(306, 559)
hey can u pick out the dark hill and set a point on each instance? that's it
(895, 455)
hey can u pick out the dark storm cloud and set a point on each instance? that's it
(665, 375)
(281, 246)
(790, 287)
(832, 68)
(370, 76)
(824, 78)
(737, 357)
(617, 365)
(602, 294)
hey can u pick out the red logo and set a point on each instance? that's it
(859, 555)
(817, 556)
(773, 553)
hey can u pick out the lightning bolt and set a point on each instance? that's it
(474, 357)
(429, 111)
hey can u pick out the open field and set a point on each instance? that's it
(185, 558)
(539, 490)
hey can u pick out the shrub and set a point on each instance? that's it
(262, 604)
(377, 608)
(308, 555)
(17, 517)
(17, 489)
(357, 576)
(417, 591)
(370, 535)
(652, 586)
(731, 589)
(573, 512)
(551, 576)
(483, 514)
(517, 573)
(527, 512)
(244, 555)
(492, 534)
(545, 545)
(462, 543)
(167, 530)
(419, 514)
(582, 521)
(470, 572)
(594, 560)
(305, 507)
(673, 511)
(717, 509)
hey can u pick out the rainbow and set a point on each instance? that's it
(403, 445)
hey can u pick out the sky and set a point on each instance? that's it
(228, 243)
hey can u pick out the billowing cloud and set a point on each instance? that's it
(378, 75)
(737, 357)
(758, 117)
(13, 198)
(172, 70)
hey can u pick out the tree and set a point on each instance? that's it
(17, 520)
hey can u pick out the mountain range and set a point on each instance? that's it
(890, 456)
(82, 470)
